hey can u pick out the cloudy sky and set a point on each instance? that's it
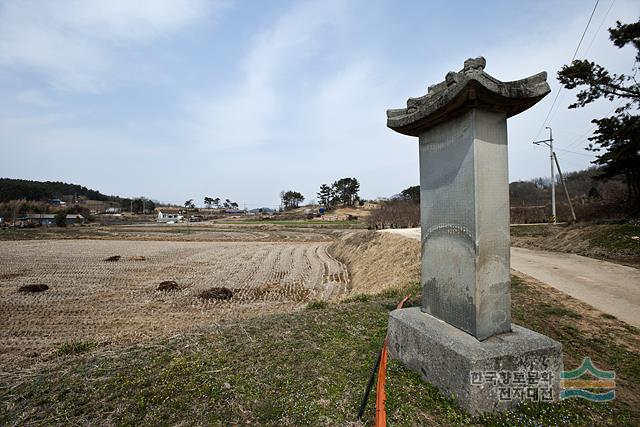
(178, 99)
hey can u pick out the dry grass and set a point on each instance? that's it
(121, 302)
(224, 232)
(583, 330)
(614, 242)
(378, 261)
(297, 367)
(307, 368)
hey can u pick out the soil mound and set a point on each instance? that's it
(168, 285)
(33, 288)
(216, 293)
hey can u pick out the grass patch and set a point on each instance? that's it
(356, 298)
(317, 305)
(398, 293)
(75, 347)
(618, 238)
(615, 242)
(516, 284)
(308, 368)
(554, 310)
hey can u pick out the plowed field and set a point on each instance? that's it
(90, 299)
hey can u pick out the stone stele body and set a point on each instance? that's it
(464, 193)
(463, 330)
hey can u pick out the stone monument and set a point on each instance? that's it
(461, 339)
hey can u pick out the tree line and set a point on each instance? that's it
(617, 137)
(343, 192)
(216, 202)
(17, 189)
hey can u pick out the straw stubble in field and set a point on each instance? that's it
(90, 299)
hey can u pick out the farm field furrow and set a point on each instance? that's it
(90, 299)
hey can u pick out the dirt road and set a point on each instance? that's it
(609, 287)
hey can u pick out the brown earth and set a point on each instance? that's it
(89, 299)
(177, 233)
(378, 261)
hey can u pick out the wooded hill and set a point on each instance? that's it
(17, 189)
(592, 198)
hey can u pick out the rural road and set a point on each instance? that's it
(609, 287)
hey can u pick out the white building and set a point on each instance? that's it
(169, 218)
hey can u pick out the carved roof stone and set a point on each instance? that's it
(469, 88)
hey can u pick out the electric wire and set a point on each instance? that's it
(578, 140)
(599, 28)
(555, 100)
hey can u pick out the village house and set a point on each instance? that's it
(50, 219)
(169, 215)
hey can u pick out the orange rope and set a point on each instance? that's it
(381, 396)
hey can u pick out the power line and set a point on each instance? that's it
(585, 30)
(574, 164)
(572, 58)
(580, 139)
(599, 27)
(574, 152)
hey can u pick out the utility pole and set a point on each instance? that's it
(564, 185)
(549, 143)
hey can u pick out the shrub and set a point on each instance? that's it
(61, 219)
(317, 305)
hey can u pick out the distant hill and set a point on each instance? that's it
(592, 198)
(14, 189)
(581, 184)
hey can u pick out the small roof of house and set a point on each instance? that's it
(51, 216)
(168, 209)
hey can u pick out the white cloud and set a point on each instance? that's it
(35, 98)
(307, 99)
(242, 116)
(74, 43)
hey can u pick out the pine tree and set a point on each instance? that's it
(616, 137)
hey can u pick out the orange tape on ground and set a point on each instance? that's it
(381, 396)
(381, 410)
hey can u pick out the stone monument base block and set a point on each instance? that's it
(483, 376)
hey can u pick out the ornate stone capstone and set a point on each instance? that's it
(468, 88)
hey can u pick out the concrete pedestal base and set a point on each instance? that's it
(484, 376)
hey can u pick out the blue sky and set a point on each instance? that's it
(180, 99)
